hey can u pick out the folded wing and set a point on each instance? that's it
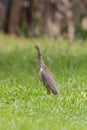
(48, 80)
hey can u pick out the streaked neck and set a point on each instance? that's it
(40, 63)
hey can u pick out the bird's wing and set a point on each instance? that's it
(48, 80)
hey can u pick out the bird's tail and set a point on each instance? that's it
(54, 91)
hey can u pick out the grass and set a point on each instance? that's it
(24, 103)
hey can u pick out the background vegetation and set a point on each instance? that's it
(51, 18)
(24, 103)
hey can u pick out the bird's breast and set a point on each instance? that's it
(40, 71)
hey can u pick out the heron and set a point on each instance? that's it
(45, 75)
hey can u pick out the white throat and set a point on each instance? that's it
(40, 71)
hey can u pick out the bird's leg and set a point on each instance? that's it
(48, 91)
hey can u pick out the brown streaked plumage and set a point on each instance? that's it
(45, 75)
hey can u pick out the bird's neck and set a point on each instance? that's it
(40, 63)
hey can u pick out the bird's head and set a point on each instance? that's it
(38, 50)
(37, 47)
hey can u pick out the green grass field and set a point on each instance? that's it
(24, 103)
